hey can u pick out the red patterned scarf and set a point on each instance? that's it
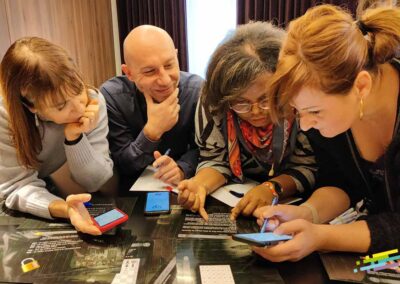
(255, 137)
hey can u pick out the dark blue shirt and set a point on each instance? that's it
(131, 150)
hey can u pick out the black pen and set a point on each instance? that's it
(236, 194)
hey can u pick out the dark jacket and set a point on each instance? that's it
(127, 115)
(340, 165)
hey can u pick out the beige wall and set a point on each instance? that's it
(83, 27)
(4, 33)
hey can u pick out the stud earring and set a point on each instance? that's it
(361, 108)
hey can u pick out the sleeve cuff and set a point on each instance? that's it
(187, 170)
(38, 204)
(145, 144)
(73, 142)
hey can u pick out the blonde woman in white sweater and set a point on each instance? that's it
(54, 128)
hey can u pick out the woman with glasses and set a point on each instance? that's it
(234, 132)
(53, 134)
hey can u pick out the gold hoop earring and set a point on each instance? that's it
(361, 108)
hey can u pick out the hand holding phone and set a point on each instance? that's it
(261, 239)
(109, 220)
(157, 203)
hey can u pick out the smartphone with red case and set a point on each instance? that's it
(109, 220)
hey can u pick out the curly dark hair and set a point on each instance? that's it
(250, 51)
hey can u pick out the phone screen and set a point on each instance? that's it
(108, 217)
(157, 202)
(262, 239)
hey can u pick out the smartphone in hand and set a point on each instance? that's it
(109, 220)
(157, 203)
(261, 239)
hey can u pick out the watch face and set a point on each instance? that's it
(277, 186)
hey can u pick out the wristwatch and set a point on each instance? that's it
(276, 186)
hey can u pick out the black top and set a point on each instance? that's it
(378, 184)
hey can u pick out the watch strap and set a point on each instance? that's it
(275, 187)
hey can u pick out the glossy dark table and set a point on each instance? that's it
(141, 227)
(308, 270)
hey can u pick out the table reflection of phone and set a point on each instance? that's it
(157, 203)
(109, 220)
(261, 239)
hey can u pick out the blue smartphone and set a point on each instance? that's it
(261, 239)
(157, 203)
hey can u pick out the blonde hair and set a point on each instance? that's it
(34, 73)
(368, 4)
(325, 49)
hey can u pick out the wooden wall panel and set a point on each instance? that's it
(4, 32)
(82, 27)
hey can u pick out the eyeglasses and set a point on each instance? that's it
(246, 107)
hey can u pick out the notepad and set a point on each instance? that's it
(212, 274)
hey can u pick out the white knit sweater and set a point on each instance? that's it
(88, 161)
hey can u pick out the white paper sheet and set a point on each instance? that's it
(224, 195)
(146, 182)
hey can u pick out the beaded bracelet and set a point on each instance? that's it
(274, 186)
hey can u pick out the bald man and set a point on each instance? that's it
(151, 109)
